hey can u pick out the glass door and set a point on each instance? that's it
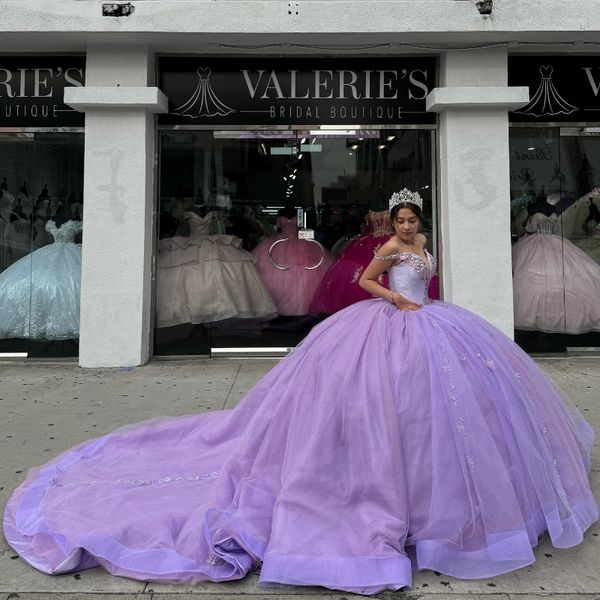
(264, 233)
(579, 215)
(556, 240)
(41, 203)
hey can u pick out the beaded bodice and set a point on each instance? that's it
(65, 234)
(540, 223)
(379, 222)
(200, 226)
(410, 275)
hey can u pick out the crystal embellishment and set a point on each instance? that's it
(405, 195)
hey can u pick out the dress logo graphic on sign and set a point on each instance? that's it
(203, 102)
(547, 102)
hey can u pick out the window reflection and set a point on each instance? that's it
(41, 183)
(264, 233)
(554, 186)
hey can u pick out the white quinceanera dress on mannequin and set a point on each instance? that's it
(205, 278)
(39, 294)
(556, 285)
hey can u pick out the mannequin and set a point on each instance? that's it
(288, 211)
(40, 215)
(540, 205)
(60, 216)
(200, 206)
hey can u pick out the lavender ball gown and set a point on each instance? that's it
(386, 441)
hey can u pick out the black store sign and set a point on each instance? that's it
(311, 91)
(561, 88)
(32, 90)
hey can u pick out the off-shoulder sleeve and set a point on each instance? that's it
(388, 257)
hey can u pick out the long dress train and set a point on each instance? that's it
(387, 440)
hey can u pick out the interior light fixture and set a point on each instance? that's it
(390, 138)
(310, 148)
(282, 150)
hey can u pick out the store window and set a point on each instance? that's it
(41, 202)
(555, 212)
(263, 233)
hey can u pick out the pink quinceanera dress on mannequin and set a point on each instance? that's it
(340, 287)
(291, 268)
(387, 440)
(556, 285)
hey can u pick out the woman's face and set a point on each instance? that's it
(406, 224)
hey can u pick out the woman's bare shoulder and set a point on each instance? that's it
(389, 248)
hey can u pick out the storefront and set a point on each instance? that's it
(274, 178)
(41, 206)
(555, 211)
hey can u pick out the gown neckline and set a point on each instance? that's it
(427, 260)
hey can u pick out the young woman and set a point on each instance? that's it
(399, 434)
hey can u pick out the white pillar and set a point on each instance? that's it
(118, 234)
(476, 270)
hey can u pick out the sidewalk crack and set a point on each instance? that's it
(234, 379)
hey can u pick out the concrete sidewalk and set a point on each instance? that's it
(48, 407)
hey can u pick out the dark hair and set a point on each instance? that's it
(416, 209)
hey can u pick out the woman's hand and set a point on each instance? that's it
(403, 303)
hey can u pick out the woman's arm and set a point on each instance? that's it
(369, 279)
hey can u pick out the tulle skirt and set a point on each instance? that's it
(208, 279)
(40, 294)
(556, 286)
(386, 441)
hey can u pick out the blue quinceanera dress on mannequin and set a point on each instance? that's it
(387, 440)
(39, 294)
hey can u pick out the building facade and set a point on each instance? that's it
(225, 168)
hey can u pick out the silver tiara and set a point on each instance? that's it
(406, 195)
